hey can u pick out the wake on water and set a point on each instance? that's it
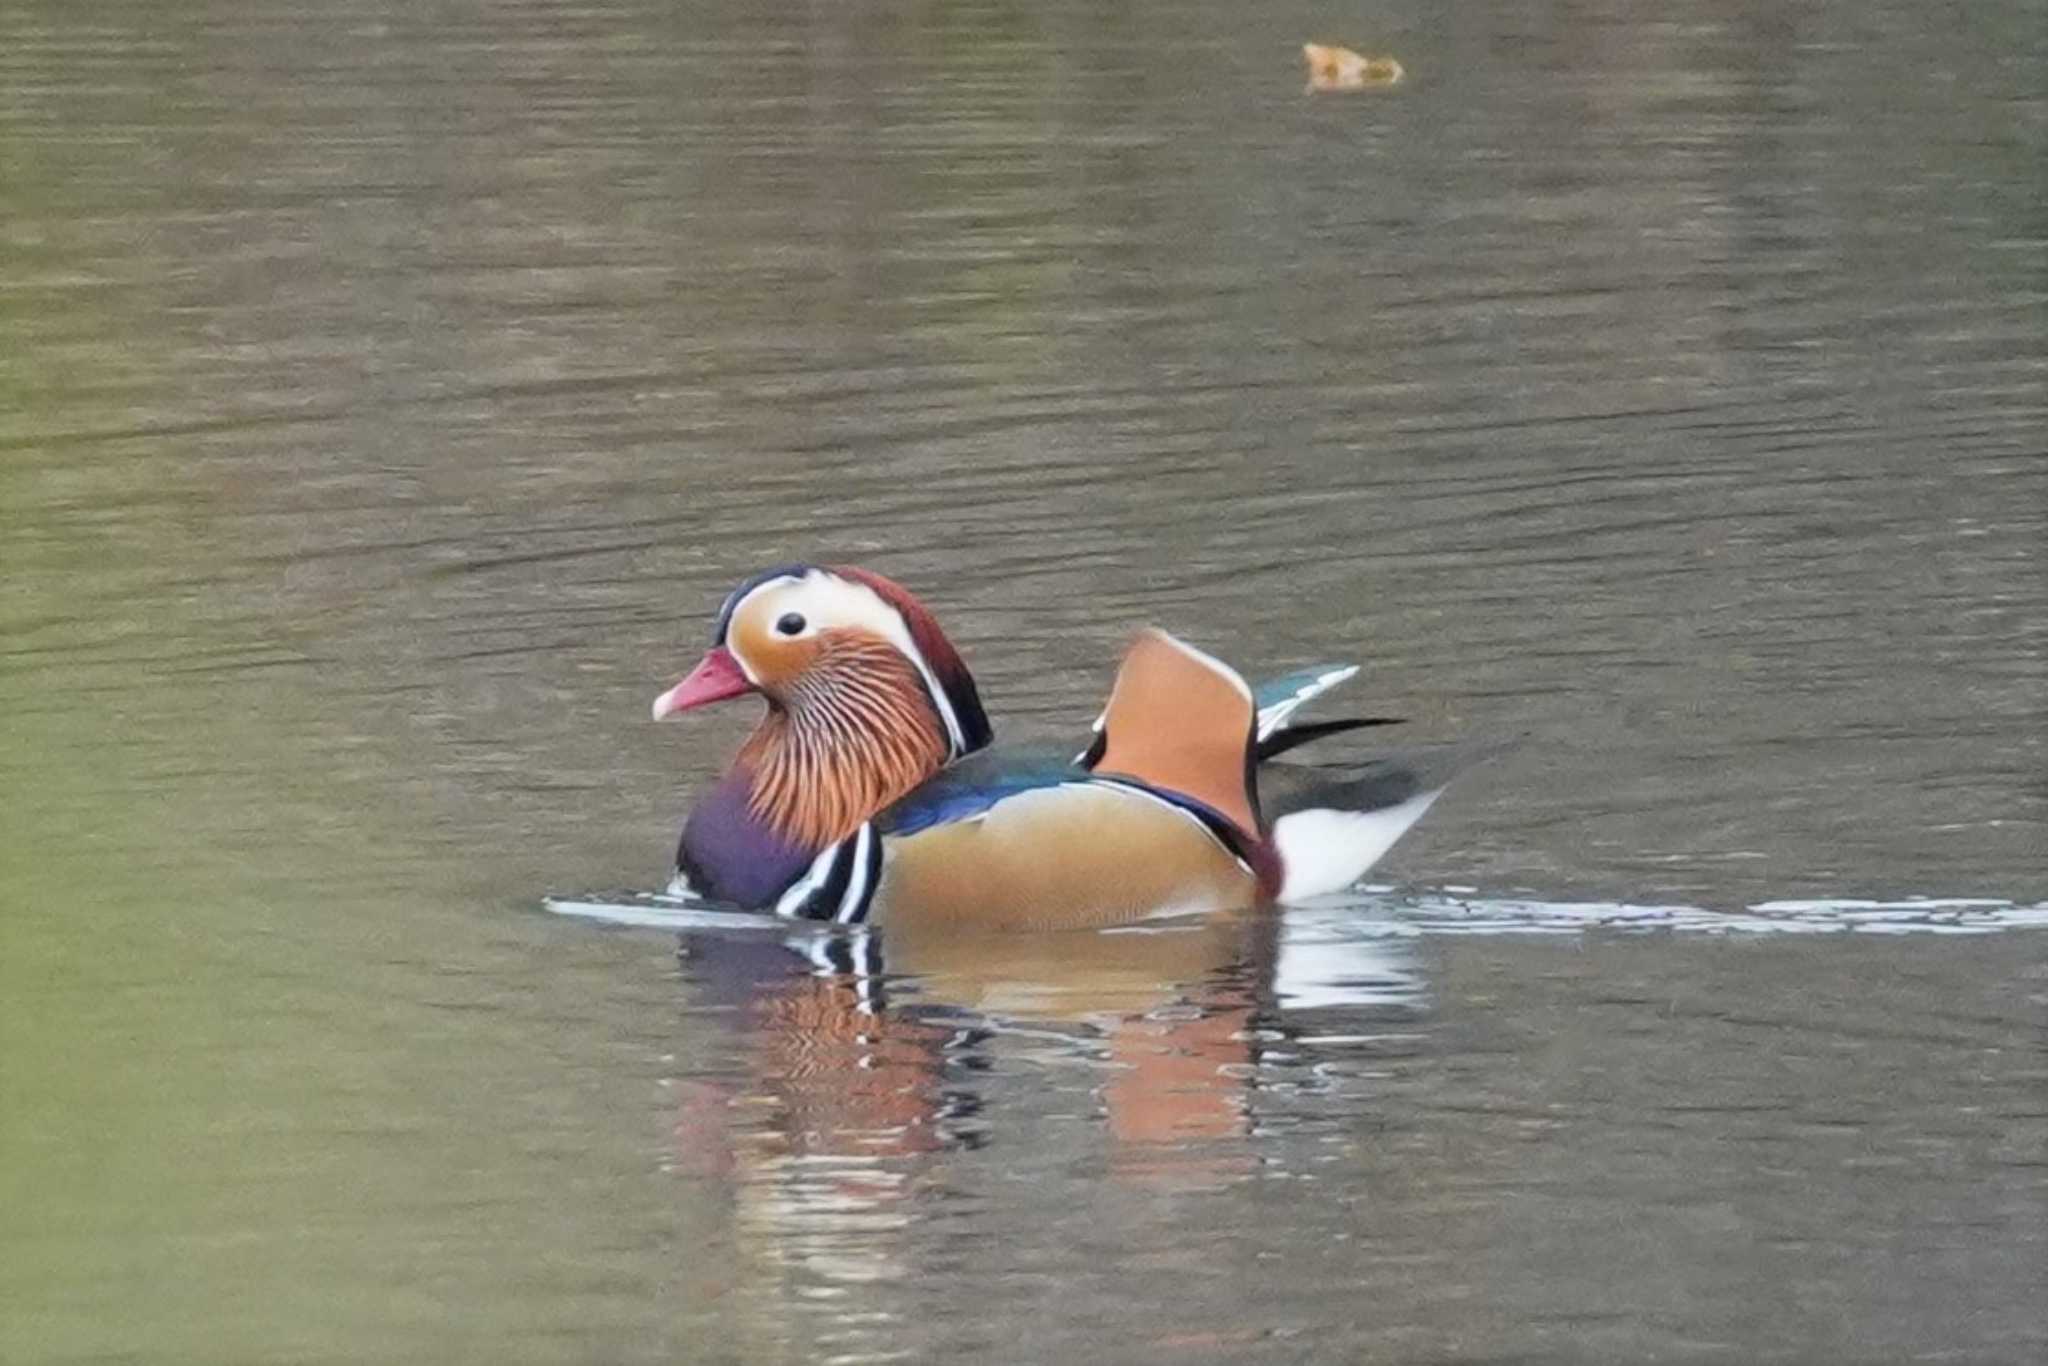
(1354, 949)
(1379, 912)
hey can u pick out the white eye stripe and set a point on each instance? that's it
(825, 601)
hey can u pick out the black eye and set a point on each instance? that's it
(790, 624)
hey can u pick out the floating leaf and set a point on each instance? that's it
(1339, 68)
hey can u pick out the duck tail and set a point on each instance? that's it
(1279, 698)
(1294, 737)
(1333, 822)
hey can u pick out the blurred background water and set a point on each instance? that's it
(389, 393)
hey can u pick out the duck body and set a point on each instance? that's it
(1003, 838)
(870, 791)
(1019, 841)
(726, 845)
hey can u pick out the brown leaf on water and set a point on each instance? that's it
(1339, 68)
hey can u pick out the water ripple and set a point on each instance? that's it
(1381, 913)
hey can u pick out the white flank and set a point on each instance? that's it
(1322, 850)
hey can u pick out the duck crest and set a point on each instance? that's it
(959, 701)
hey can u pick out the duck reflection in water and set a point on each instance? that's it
(862, 1044)
(866, 1066)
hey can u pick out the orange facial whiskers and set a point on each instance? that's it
(854, 732)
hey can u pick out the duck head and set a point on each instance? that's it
(866, 698)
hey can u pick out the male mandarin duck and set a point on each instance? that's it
(869, 791)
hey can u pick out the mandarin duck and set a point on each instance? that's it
(870, 792)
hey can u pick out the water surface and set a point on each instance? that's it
(388, 396)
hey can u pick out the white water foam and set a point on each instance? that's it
(1318, 927)
(661, 911)
(1437, 914)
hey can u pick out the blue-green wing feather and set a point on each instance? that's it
(974, 785)
(1279, 698)
(970, 787)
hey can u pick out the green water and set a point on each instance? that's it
(388, 397)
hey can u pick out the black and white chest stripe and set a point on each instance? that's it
(840, 884)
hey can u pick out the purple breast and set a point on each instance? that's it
(728, 853)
